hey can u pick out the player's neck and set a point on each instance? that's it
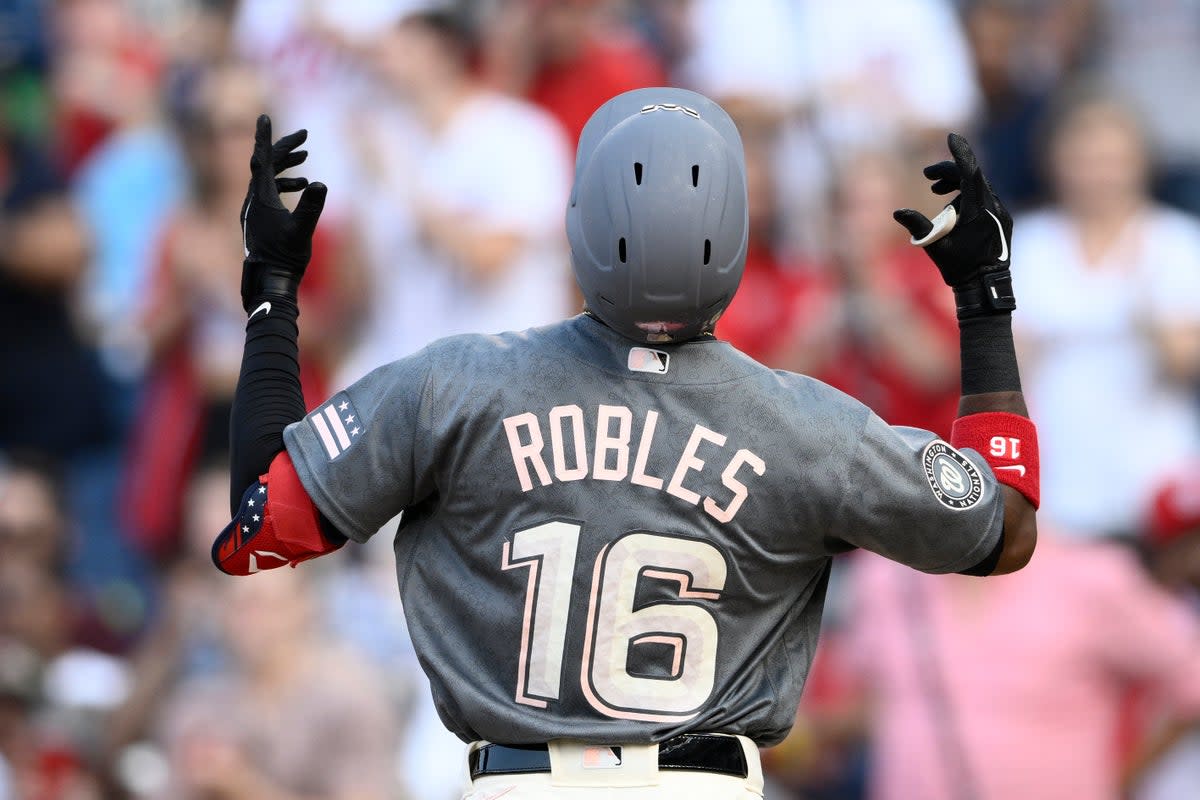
(703, 336)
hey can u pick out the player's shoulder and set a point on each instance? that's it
(468, 352)
(812, 395)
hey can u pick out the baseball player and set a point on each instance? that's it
(618, 530)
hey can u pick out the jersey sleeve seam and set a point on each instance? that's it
(425, 384)
(323, 500)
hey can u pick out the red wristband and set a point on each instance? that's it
(1008, 442)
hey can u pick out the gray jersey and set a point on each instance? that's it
(612, 543)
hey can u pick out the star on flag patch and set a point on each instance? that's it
(337, 425)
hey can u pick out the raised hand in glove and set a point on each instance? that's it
(277, 242)
(969, 240)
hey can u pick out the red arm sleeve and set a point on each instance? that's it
(276, 524)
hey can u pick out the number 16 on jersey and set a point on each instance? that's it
(682, 626)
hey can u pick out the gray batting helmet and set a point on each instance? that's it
(657, 219)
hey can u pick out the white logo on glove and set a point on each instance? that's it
(1003, 238)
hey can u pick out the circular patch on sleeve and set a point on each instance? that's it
(954, 479)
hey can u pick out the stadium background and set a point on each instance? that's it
(130, 668)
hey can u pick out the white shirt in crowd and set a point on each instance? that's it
(314, 82)
(502, 164)
(1151, 55)
(866, 69)
(1110, 424)
(860, 75)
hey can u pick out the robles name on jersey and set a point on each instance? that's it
(616, 456)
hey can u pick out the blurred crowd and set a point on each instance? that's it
(131, 668)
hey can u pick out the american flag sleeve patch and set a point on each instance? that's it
(337, 425)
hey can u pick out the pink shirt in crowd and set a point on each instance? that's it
(1013, 684)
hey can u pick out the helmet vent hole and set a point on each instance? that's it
(621, 249)
(696, 178)
(637, 172)
(707, 251)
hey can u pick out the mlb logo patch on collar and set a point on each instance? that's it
(643, 359)
(337, 425)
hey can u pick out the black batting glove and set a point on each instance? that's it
(277, 243)
(969, 240)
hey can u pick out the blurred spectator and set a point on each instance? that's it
(900, 337)
(61, 692)
(456, 193)
(194, 320)
(1151, 54)
(1012, 686)
(888, 72)
(776, 73)
(125, 188)
(1109, 287)
(843, 77)
(33, 525)
(52, 391)
(778, 70)
(461, 201)
(666, 26)
(191, 32)
(23, 40)
(30, 766)
(1165, 769)
(57, 286)
(824, 757)
(784, 314)
(184, 642)
(295, 717)
(311, 57)
(1173, 533)
(1061, 39)
(102, 54)
(24, 61)
(568, 56)
(1013, 104)
(363, 609)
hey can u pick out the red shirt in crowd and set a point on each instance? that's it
(779, 307)
(572, 90)
(874, 377)
(775, 305)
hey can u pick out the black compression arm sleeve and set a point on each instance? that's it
(268, 396)
(989, 358)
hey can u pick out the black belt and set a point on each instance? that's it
(702, 752)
